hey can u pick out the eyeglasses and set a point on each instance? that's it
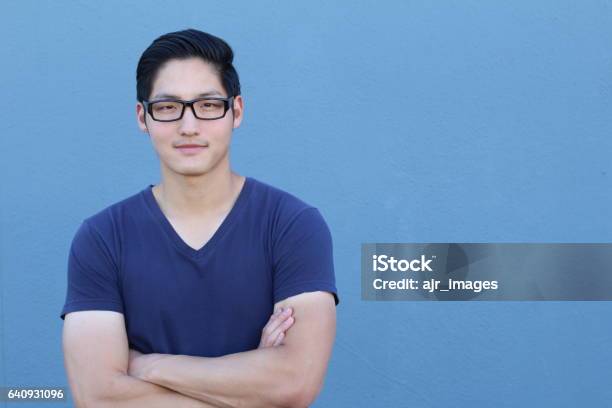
(169, 110)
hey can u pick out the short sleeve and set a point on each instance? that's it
(303, 257)
(92, 274)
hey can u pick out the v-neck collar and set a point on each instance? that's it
(225, 226)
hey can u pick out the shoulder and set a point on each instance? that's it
(107, 218)
(287, 215)
(105, 225)
(281, 205)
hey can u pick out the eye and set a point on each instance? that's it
(210, 104)
(162, 107)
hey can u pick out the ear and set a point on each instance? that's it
(140, 117)
(238, 110)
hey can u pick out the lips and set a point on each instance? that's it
(190, 149)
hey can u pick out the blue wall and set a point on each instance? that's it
(403, 121)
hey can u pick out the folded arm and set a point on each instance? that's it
(96, 358)
(289, 375)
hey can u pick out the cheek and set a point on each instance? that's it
(162, 145)
(221, 131)
(162, 135)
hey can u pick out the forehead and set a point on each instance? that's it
(186, 79)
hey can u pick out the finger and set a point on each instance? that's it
(275, 322)
(269, 337)
(274, 316)
(265, 340)
(281, 329)
(279, 339)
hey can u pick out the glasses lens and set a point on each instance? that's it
(166, 110)
(209, 108)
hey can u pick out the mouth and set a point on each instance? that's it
(190, 149)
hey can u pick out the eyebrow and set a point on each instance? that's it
(165, 95)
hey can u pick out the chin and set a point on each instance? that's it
(192, 170)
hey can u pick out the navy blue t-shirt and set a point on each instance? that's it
(207, 302)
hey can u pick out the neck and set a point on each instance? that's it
(198, 196)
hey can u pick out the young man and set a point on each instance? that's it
(210, 289)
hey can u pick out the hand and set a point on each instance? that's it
(273, 333)
(139, 364)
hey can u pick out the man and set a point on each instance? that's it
(210, 289)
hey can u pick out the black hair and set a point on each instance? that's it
(182, 45)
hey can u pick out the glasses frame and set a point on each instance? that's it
(228, 103)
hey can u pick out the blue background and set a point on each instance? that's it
(412, 121)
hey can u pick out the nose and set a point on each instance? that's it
(189, 123)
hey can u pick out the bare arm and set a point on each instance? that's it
(289, 375)
(96, 358)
